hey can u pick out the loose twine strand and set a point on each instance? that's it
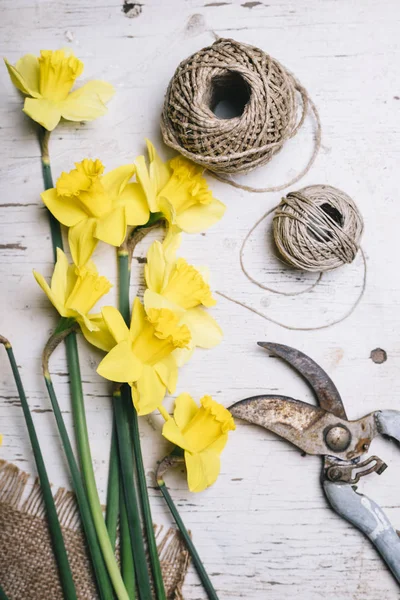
(339, 243)
(240, 144)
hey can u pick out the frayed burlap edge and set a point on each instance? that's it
(27, 567)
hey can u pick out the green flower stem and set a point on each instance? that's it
(127, 563)
(127, 555)
(2, 594)
(124, 280)
(103, 582)
(85, 457)
(146, 510)
(205, 580)
(64, 569)
(55, 227)
(131, 500)
(78, 406)
(113, 491)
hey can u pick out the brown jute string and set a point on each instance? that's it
(240, 144)
(28, 569)
(309, 238)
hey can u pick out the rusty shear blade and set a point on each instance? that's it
(298, 422)
(323, 386)
(310, 428)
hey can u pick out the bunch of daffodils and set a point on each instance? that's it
(142, 351)
(173, 319)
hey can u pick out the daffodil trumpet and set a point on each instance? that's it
(64, 569)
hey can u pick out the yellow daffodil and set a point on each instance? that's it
(99, 335)
(96, 206)
(74, 291)
(179, 190)
(174, 284)
(47, 81)
(202, 433)
(143, 354)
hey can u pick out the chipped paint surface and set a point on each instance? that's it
(378, 356)
(264, 531)
(382, 524)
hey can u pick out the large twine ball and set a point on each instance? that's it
(264, 93)
(317, 228)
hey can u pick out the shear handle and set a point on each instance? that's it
(388, 423)
(368, 517)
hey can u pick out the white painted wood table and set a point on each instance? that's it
(264, 529)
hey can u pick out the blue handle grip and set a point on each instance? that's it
(368, 517)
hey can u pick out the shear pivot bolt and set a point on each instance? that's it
(338, 438)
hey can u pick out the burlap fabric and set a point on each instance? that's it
(27, 567)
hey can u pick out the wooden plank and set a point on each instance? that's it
(264, 530)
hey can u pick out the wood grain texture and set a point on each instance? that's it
(264, 530)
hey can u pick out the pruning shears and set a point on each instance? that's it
(325, 431)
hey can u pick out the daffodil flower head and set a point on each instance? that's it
(96, 206)
(202, 432)
(142, 355)
(180, 191)
(74, 291)
(47, 80)
(174, 284)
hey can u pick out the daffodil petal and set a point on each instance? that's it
(199, 217)
(171, 243)
(115, 323)
(138, 319)
(82, 242)
(151, 390)
(167, 370)
(135, 203)
(112, 228)
(143, 177)
(153, 300)
(84, 320)
(115, 181)
(43, 111)
(183, 355)
(120, 364)
(172, 433)
(59, 278)
(205, 331)
(219, 444)
(28, 68)
(155, 267)
(202, 469)
(25, 75)
(185, 410)
(169, 212)
(65, 210)
(100, 337)
(88, 102)
(160, 172)
(51, 296)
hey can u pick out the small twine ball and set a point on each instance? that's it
(264, 94)
(317, 228)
